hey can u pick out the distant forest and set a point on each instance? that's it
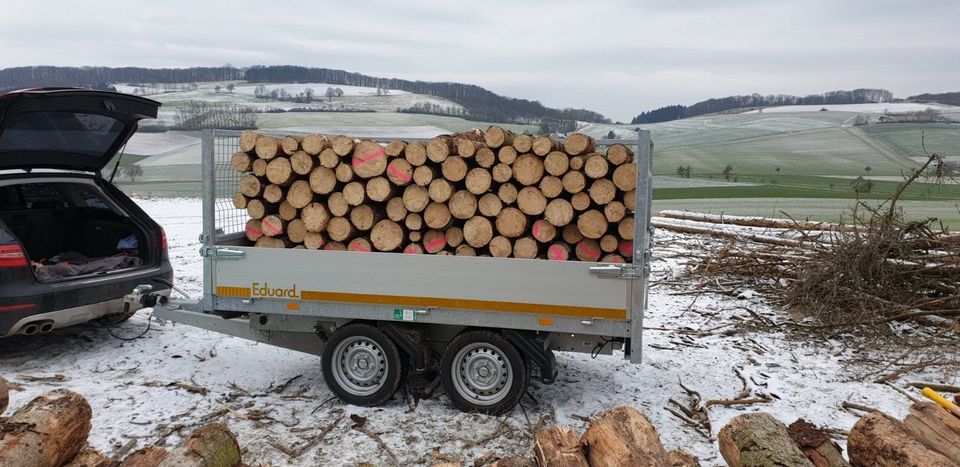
(723, 104)
(481, 104)
(949, 98)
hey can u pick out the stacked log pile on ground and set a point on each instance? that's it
(52, 430)
(479, 193)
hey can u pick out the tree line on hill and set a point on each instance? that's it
(949, 98)
(481, 104)
(723, 104)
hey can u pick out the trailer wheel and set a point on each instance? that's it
(483, 372)
(361, 365)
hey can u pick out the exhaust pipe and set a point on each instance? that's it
(29, 329)
(46, 327)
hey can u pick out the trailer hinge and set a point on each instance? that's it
(220, 253)
(618, 271)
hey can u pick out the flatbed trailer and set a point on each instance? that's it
(483, 325)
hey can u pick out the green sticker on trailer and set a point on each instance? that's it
(399, 314)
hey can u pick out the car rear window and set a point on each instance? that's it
(51, 195)
(81, 133)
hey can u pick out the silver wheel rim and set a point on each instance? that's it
(359, 365)
(482, 373)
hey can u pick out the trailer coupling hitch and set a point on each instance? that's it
(144, 295)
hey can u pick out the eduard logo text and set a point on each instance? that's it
(264, 290)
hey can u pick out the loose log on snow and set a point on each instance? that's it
(816, 445)
(531, 201)
(386, 235)
(936, 428)
(150, 456)
(312, 144)
(248, 140)
(209, 446)
(495, 137)
(241, 161)
(758, 439)
(528, 169)
(578, 143)
(559, 447)
(623, 436)
(369, 159)
(879, 440)
(49, 431)
(301, 192)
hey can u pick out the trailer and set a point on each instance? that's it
(480, 326)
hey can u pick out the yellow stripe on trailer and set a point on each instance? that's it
(233, 292)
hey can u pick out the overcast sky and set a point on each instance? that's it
(615, 57)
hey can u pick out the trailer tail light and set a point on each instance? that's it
(163, 238)
(11, 256)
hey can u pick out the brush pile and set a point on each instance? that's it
(475, 193)
(877, 269)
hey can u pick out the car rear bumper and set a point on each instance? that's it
(45, 322)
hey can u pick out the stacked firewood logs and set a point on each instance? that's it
(490, 193)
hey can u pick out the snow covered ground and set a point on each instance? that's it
(690, 338)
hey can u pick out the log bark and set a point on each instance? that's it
(542, 145)
(681, 458)
(90, 457)
(936, 428)
(301, 192)
(758, 439)
(578, 143)
(500, 247)
(531, 201)
(248, 140)
(523, 143)
(209, 446)
(322, 180)
(463, 205)
(150, 456)
(478, 180)
(528, 169)
(511, 222)
(879, 440)
(477, 231)
(369, 159)
(560, 447)
(816, 445)
(49, 431)
(559, 212)
(386, 235)
(623, 436)
(496, 137)
(313, 144)
(415, 154)
(440, 190)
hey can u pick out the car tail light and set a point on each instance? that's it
(163, 238)
(11, 256)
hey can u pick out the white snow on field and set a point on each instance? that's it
(690, 338)
(148, 144)
(861, 108)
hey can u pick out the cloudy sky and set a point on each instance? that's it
(615, 57)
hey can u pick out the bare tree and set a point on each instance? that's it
(133, 171)
(330, 94)
(230, 88)
(216, 88)
(727, 171)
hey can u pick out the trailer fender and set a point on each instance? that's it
(537, 351)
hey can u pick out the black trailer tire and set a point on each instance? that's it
(361, 365)
(483, 372)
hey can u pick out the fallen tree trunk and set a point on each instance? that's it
(816, 445)
(623, 436)
(879, 440)
(4, 395)
(758, 439)
(750, 221)
(90, 457)
(661, 223)
(558, 447)
(150, 456)
(210, 446)
(49, 431)
(936, 428)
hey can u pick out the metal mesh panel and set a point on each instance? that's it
(229, 220)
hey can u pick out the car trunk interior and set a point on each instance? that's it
(63, 224)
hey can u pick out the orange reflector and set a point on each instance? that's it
(545, 321)
(294, 306)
